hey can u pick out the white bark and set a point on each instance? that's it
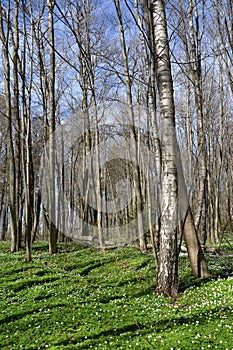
(167, 278)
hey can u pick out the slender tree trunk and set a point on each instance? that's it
(52, 145)
(37, 209)
(10, 147)
(154, 227)
(38, 39)
(196, 257)
(3, 211)
(27, 144)
(196, 71)
(133, 141)
(17, 122)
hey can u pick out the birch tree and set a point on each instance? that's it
(167, 271)
(173, 183)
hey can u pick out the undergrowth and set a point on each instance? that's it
(82, 298)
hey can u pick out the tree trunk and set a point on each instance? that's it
(10, 147)
(196, 71)
(167, 270)
(133, 141)
(174, 192)
(154, 226)
(17, 122)
(52, 145)
(27, 144)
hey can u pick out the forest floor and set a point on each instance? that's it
(81, 298)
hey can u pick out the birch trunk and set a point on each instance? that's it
(167, 270)
(173, 178)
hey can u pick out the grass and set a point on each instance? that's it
(81, 298)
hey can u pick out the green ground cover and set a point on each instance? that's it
(81, 298)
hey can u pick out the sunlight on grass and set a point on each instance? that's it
(85, 299)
